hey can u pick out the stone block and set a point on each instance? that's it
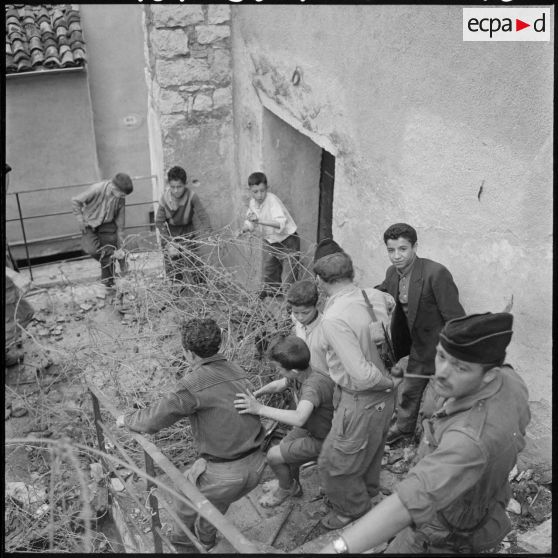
(221, 66)
(207, 34)
(537, 540)
(170, 102)
(181, 71)
(171, 123)
(177, 16)
(189, 88)
(169, 43)
(222, 98)
(202, 103)
(218, 13)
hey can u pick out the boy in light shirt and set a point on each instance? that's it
(268, 217)
(302, 297)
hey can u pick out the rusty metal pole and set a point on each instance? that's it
(97, 416)
(100, 435)
(24, 235)
(153, 504)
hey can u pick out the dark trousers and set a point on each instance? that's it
(222, 484)
(408, 405)
(185, 266)
(351, 456)
(100, 243)
(16, 311)
(281, 259)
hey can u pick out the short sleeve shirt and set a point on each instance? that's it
(318, 389)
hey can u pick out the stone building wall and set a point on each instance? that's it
(188, 67)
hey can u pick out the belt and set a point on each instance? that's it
(214, 459)
(281, 242)
(364, 391)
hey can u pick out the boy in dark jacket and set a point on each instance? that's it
(179, 216)
(426, 298)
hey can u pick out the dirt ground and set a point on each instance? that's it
(127, 345)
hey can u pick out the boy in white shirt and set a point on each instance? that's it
(302, 297)
(270, 219)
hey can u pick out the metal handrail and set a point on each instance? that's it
(77, 185)
(21, 218)
(71, 212)
(202, 505)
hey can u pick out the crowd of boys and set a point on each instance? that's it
(447, 368)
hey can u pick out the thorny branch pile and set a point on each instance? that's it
(128, 345)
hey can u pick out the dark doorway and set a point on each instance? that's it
(327, 179)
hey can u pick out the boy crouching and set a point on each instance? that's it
(311, 419)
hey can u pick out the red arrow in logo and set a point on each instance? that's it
(519, 25)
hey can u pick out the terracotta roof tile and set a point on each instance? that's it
(43, 37)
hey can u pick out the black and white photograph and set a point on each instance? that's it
(278, 277)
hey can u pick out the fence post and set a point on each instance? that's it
(153, 504)
(24, 235)
(100, 435)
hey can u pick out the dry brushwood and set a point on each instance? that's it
(133, 354)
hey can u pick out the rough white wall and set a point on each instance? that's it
(419, 121)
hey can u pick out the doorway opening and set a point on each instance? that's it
(302, 174)
(325, 207)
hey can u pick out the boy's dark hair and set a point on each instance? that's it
(335, 267)
(290, 352)
(303, 293)
(177, 173)
(398, 230)
(123, 182)
(257, 178)
(201, 336)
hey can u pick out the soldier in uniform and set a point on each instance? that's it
(454, 499)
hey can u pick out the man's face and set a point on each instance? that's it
(177, 188)
(401, 252)
(304, 314)
(457, 378)
(258, 192)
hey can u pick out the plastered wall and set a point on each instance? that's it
(454, 138)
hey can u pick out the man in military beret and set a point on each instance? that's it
(454, 498)
(326, 247)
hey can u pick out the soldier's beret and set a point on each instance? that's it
(480, 338)
(326, 247)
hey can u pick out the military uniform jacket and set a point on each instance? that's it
(459, 489)
(433, 299)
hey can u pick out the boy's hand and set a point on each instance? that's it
(119, 254)
(172, 250)
(399, 369)
(247, 403)
(81, 224)
(247, 227)
(252, 217)
(120, 421)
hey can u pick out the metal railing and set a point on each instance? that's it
(189, 494)
(21, 218)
